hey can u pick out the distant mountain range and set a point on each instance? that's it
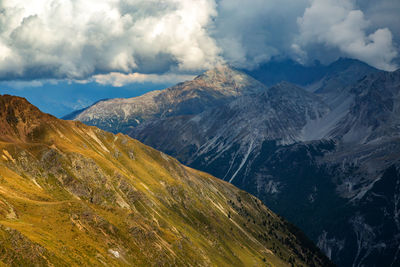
(320, 145)
(274, 72)
(211, 89)
(72, 194)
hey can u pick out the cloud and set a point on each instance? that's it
(76, 39)
(338, 24)
(19, 85)
(119, 79)
(305, 30)
(254, 31)
(383, 14)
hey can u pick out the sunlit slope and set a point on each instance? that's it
(75, 195)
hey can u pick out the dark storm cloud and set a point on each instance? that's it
(254, 31)
(306, 30)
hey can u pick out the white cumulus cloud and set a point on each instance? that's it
(79, 38)
(120, 79)
(338, 24)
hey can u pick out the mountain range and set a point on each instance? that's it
(72, 194)
(319, 145)
(211, 89)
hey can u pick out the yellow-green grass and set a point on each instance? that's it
(74, 195)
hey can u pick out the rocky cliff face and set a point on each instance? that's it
(242, 126)
(71, 194)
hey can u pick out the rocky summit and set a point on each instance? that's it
(74, 195)
(211, 89)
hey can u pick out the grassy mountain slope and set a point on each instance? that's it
(72, 195)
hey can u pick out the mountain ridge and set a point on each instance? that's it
(214, 87)
(310, 76)
(76, 195)
(19, 119)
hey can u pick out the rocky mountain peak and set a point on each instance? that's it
(11, 106)
(226, 78)
(19, 119)
(210, 89)
(218, 72)
(346, 63)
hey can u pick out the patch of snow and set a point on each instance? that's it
(114, 253)
(231, 164)
(243, 161)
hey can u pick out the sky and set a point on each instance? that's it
(63, 97)
(123, 47)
